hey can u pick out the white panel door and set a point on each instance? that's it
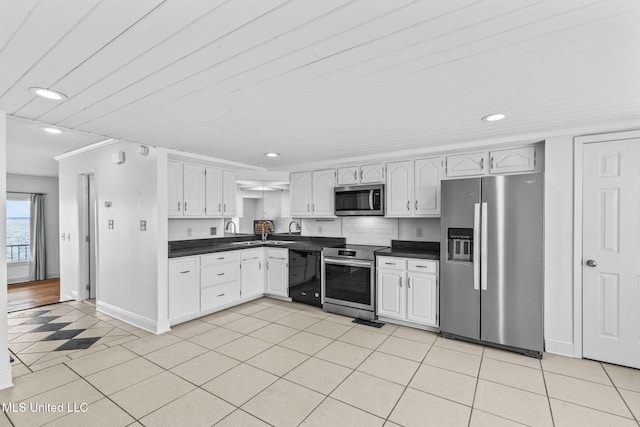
(229, 194)
(252, 273)
(194, 189)
(213, 192)
(611, 252)
(278, 272)
(391, 293)
(466, 164)
(422, 298)
(348, 175)
(323, 195)
(427, 175)
(521, 159)
(174, 189)
(399, 189)
(300, 194)
(184, 287)
(370, 174)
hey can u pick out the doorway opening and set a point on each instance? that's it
(88, 237)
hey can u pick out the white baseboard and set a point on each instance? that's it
(21, 279)
(563, 348)
(129, 317)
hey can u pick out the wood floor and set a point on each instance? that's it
(32, 294)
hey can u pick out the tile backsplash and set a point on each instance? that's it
(370, 230)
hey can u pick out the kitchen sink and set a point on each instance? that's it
(279, 242)
(249, 243)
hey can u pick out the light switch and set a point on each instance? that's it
(143, 225)
(110, 224)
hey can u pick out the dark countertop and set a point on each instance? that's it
(411, 249)
(182, 248)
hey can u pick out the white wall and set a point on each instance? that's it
(5, 368)
(49, 186)
(411, 228)
(250, 212)
(558, 245)
(129, 259)
(195, 228)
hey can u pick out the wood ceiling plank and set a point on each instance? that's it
(47, 23)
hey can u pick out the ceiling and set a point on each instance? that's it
(313, 80)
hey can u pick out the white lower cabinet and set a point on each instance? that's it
(277, 272)
(184, 288)
(200, 285)
(407, 290)
(252, 272)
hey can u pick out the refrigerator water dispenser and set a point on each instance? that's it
(460, 244)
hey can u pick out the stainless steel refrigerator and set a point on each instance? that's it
(492, 274)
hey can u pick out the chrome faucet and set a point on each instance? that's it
(264, 235)
(297, 226)
(234, 227)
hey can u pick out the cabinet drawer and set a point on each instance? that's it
(215, 296)
(220, 258)
(390, 262)
(422, 266)
(216, 274)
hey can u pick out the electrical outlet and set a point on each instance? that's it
(110, 224)
(189, 231)
(213, 231)
(418, 231)
(143, 225)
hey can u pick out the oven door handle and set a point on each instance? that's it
(348, 262)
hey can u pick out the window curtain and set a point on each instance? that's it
(38, 265)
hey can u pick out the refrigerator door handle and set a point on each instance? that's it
(476, 246)
(483, 248)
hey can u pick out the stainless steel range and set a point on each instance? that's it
(349, 280)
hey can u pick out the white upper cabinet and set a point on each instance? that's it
(221, 193)
(364, 174)
(467, 164)
(413, 187)
(521, 159)
(427, 174)
(229, 193)
(311, 193)
(194, 190)
(174, 189)
(322, 193)
(300, 194)
(399, 188)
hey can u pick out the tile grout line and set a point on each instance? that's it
(619, 394)
(475, 389)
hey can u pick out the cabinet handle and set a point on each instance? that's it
(307, 207)
(360, 174)
(400, 280)
(416, 205)
(304, 294)
(185, 272)
(355, 175)
(178, 206)
(267, 265)
(491, 162)
(408, 204)
(220, 274)
(259, 265)
(219, 207)
(185, 206)
(220, 257)
(482, 163)
(390, 263)
(224, 205)
(313, 207)
(220, 295)
(422, 266)
(409, 282)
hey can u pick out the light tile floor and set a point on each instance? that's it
(270, 362)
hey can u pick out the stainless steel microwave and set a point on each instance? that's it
(359, 200)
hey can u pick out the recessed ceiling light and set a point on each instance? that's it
(48, 93)
(272, 154)
(494, 117)
(54, 131)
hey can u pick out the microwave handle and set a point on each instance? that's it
(371, 199)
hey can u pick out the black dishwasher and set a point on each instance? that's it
(304, 276)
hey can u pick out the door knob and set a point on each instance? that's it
(591, 263)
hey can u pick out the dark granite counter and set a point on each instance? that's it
(182, 248)
(411, 249)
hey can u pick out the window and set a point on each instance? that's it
(18, 227)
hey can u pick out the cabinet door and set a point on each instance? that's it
(213, 192)
(174, 188)
(390, 293)
(194, 190)
(322, 190)
(348, 175)
(467, 164)
(184, 287)
(422, 298)
(370, 174)
(399, 189)
(278, 272)
(252, 273)
(514, 160)
(427, 175)
(229, 193)
(300, 194)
